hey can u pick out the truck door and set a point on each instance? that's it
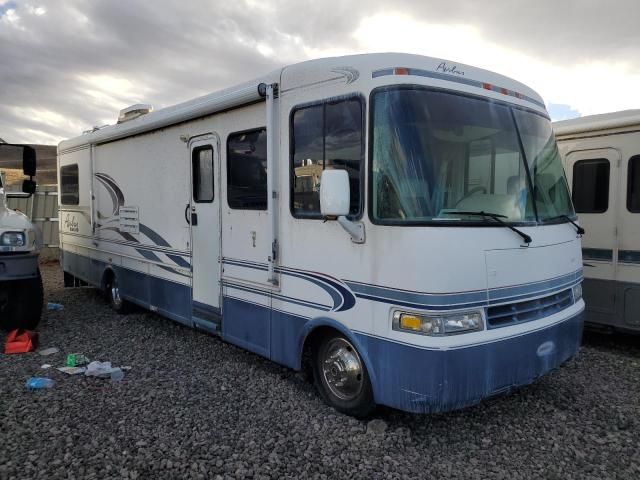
(594, 179)
(203, 214)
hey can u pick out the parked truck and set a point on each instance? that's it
(21, 292)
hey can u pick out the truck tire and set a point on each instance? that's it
(21, 306)
(341, 377)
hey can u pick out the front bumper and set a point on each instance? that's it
(18, 266)
(426, 381)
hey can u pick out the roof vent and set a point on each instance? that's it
(134, 111)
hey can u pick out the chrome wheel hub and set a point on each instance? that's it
(342, 369)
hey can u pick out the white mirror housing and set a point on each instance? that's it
(334, 193)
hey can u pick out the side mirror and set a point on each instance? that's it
(29, 186)
(334, 193)
(29, 161)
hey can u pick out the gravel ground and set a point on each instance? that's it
(195, 407)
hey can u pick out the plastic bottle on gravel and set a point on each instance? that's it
(37, 383)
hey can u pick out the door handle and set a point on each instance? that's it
(186, 218)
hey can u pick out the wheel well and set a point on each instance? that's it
(311, 342)
(107, 275)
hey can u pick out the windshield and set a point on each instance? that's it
(437, 155)
(550, 189)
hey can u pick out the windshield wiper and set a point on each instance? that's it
(498, 218)
(579, 229)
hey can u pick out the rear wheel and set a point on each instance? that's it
(112, 291)
(21, 303)
(341, 377)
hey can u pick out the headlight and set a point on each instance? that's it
(12, 239)
(577, 292)
(437, 325)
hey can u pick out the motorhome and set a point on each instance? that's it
(398, 224)
(21, 293)
(602, 159)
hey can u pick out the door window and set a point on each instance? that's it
(203, 174)
(591, 185)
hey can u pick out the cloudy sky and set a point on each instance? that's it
(66, 65)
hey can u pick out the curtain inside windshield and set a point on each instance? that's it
(437, 155)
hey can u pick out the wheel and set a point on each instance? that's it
(112, 291)
(21, 303)
(341, 377)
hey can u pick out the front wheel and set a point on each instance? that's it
(341, 377)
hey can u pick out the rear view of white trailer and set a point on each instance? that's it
(602, 160)
(402, 222)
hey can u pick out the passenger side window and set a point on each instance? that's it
(633, 184)
(591, 185)
(247, 170)
(325, 136)
(203, 174)
(69, 185)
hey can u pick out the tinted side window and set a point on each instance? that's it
(591, 186)
(247, 170)
(327, 135)
(633, 184)
(203, 174)
(69, 187)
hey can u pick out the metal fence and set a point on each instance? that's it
(42, 209)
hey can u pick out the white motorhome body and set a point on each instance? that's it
(602, 159)
(425, 305)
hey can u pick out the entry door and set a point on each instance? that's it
(594, 176)
(204, 217)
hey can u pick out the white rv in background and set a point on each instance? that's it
(374, 214)
(602, 160)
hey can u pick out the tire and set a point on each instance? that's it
(112, 292)
(21, 303)
(341, 377)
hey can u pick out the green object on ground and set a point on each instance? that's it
(76, 359)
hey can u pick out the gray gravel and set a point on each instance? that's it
(195, 407)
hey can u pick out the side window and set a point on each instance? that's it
(247, 170)
(69, 187)
(633, 184)
(591, 185)
(325, 136)
(203, 174)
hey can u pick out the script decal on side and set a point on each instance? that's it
(129, 220)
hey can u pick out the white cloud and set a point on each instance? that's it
(589, 88)
(36, 10)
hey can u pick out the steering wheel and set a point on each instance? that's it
(473, 191)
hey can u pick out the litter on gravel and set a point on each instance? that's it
(48, 351)
(72, 370)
